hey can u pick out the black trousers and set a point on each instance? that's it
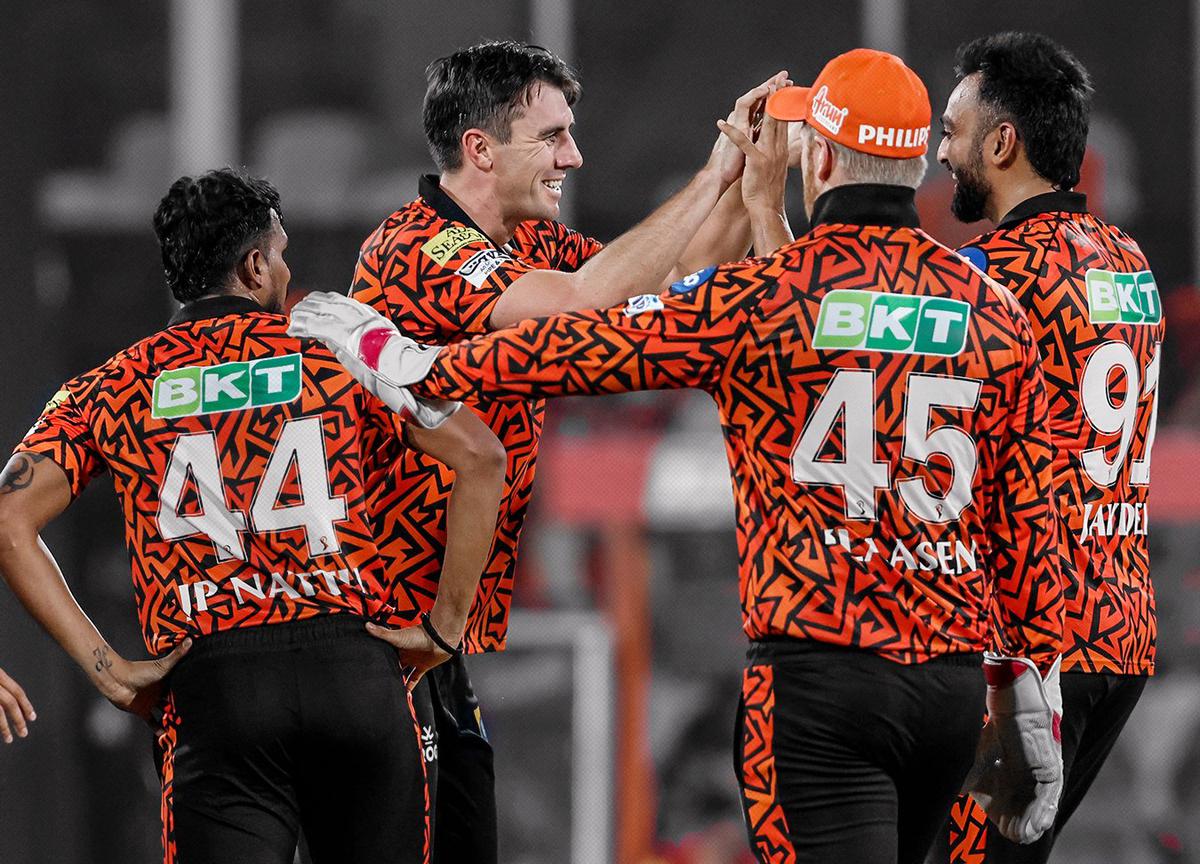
(275, 729)
(1095, 709)
(845, 756)
(460, 765)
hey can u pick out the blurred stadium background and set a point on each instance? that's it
(612, 713)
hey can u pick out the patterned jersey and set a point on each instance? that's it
(432, 271)
(884, 417)
(239, 456)
(1098, 319)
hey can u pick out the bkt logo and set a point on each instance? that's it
(1123, 298)
(227, 387)
(894, 323)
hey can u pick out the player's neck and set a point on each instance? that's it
(480, 202)
(1014, 190)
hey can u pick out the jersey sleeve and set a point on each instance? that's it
(1027, 588)
(572, 249)
(680, 338)
(439, 286)
(63, 435)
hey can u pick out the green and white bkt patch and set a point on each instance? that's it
(227, 387)
(893, 323)
(1123, 298)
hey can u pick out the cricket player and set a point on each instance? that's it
(1014, 133)
(240, 457)
(885, 420)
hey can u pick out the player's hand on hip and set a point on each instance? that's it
(137, 686)
(15, 709)
(727, 158)
(366, 343)
(1018, 773)
(418, 652)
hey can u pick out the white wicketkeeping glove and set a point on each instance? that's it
(374, 351)
(1018, 773)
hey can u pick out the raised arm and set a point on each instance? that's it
(33, 491)
(703, 224)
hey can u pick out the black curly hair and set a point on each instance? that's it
(1037, 85)
(485, 87)
(206, 224)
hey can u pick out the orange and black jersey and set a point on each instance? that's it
(1097, 316)
(239, 455)
(433, 271)
(884, 416)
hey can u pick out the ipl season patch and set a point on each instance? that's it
(643, 303)
(476, 268)
(449, 240)
(226, 387)
(1123, 298)
(893, 323)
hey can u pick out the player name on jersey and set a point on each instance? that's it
(195, 596)
(949, 557)
(893, 323)
(1119, 519)
(226, 387)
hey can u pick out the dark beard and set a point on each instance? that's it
(971, 194)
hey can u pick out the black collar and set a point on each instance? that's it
(1047, 202)
(443, 205)
(867, 204)
(214, 307)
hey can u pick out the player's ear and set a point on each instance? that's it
(477, 149)
(825, 158)
(252, 269)
(1002, 145)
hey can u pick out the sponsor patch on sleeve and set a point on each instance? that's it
(57, 399)
(643, 303)
(446, 242)
(477, 268)
(690, 283)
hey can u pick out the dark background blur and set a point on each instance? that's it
(104, 104)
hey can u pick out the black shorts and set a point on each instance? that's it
(460, 766)
(1095, 709)
(845, 756)
(275, 729)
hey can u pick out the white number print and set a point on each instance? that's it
(851, 396)
(924, 393)
(302, 443)
(1109, 418)
(195, 456)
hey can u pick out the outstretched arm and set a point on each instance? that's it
(33, 491)
(654, 342)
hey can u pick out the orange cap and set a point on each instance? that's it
(866, 100)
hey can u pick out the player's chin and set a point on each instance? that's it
(544, 208)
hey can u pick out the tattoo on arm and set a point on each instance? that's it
(18, 473)
(102, 659)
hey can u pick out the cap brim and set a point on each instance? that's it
(790, 103)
